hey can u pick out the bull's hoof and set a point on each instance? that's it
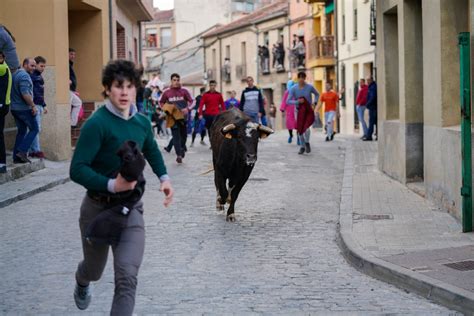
(230, 218)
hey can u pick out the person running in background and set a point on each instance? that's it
(300, 96)
(232, 102)
(197, 126)
(331, 110)
(289, 110)
(251, 101)
(272, 115)
(211, 105)
(182, 101)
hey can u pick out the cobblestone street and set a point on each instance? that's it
(279, 257)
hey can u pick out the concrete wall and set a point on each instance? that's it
(132, 32)
(189, 16)
(421, 138)
(49, 38)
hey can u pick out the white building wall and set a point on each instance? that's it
(355, 54)
(193, 17)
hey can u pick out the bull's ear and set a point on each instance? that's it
(264, 131)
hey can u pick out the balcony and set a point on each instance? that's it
(211, 74)
(321, 51)
(226, 73)
(241, 72)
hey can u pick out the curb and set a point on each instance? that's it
(437, 291)
(25, 195)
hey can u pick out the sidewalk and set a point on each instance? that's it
(54, 173)
(393, 234)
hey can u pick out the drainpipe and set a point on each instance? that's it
(220, 64)
(256, 34)
(111, 29)
(465, 90)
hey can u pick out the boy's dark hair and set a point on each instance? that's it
(175, 75)
(212, 82)
(72, 50)
(40, 60)
(144, 82)
(2, 54)
(302, 74)
(202, 90)
(120, 70)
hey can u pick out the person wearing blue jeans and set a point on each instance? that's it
(23, 110)
(372, 107)
(38, 99)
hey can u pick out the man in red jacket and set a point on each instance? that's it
(361, 100)
(211, 104)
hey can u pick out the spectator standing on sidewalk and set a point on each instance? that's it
(361, 100)
(8, 47)
(38, 99)
(251, 101)
(5, 90)
(272, 115)
(331, 110)
(372, 107)
(300, 96)
(23, 111)
(210, 106)
(182, 100)
(94, 160)
(75, 101)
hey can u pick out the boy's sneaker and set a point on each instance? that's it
(290, 139)
(332, 136)
(327, 138)
(179, 159)
(39, 154)
(203, 143)
(308, 147)
(82, 296)
(168, 150)
(301, 151)
(21, 157)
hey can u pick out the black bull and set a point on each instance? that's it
(234, 141)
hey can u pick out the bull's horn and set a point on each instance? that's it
(228, 128)
(265, 129)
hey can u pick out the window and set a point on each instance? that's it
(243, 53)
(343, 21)
(266, 39)
(214, 58)
(150, 38)
(165, 37)
(355, 21)
(227, 51)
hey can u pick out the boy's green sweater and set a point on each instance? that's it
(95, 159)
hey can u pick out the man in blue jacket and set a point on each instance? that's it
(371, 105)
(23, 110)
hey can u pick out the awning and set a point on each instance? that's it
(329, 8)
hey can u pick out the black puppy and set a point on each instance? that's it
(106, 228)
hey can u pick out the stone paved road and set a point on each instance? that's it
(280, 257)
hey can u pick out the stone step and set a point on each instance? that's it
(51, 175)
(17, 171)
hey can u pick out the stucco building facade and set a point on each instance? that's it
(356, 57)
(238, 42)
(418, 95)
(84, 25)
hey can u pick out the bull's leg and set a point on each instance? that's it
(221, 191)
(234, 193)
(229, 196)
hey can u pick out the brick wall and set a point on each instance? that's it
(121, 49)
